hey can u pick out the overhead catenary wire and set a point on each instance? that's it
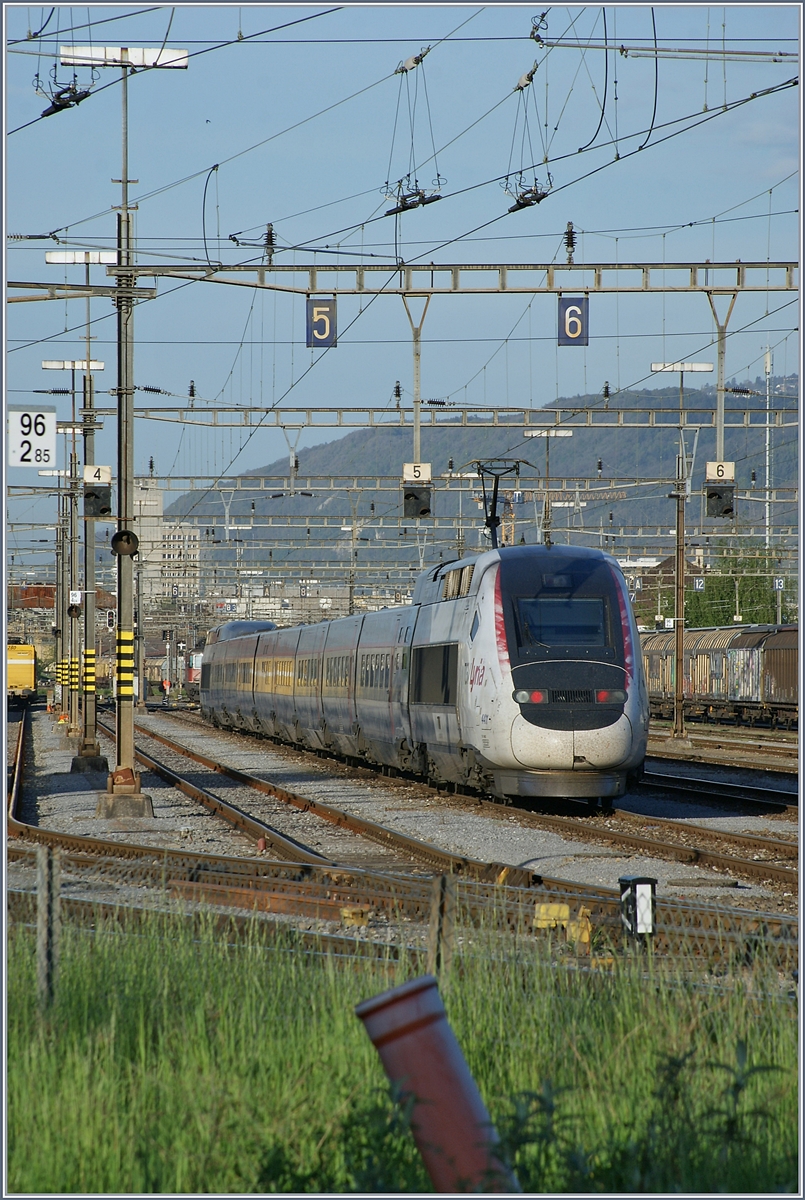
(88, 25)
(656, 81)
(694, 120)
(196, 54)
(205, 237)
(603, 103)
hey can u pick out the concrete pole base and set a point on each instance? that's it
(124, 805)
(91, 750)
(89, 762)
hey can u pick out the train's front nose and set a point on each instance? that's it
(584, 726)
(570, 646)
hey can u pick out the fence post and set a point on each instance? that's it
(48, 918)
(441, 931)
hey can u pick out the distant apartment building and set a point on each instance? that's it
(168, 561)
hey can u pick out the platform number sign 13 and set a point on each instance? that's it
(320, 326)
(31, 435)
(573, 320)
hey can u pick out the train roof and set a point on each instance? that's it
(236, 629)
(721, 637)
(429, 585)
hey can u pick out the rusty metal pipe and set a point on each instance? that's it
(421, 1056)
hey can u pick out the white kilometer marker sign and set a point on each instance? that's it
(31, 435)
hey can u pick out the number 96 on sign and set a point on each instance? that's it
(31, 436)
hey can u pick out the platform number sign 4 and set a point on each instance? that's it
(574, 320)
(31, 436)
(320, 326)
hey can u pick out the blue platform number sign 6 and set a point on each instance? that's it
(321, 322)
(573, 326)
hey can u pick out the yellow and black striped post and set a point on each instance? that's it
(125, 665)
(89, 672)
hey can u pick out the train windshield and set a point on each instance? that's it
(545, 621)
(560, 605)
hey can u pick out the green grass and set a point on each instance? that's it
(174, 1064)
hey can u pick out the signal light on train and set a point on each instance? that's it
(535, 697)
(611, 696)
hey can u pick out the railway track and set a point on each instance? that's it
(14, 757)
(410, 851)
(680, 841)
(753, 753)
(730, 737)
(713, 791)
(305, 886)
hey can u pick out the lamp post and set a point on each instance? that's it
(123, 796)
(680, 495)
(767, 366)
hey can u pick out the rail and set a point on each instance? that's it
(765, 799)
(14, 784)
(443, 860)
(719, 934)
(760, 869)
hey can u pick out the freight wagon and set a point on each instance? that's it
(21, 671)
(745, 674)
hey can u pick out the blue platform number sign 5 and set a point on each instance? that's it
(573, 326)
(321, 322)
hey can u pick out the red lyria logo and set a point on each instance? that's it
(477, 672)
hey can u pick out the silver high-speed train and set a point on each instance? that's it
(516, 672)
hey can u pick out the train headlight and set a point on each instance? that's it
(611, 696)
(535, 697)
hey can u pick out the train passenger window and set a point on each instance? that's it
(435, 674)
(571, 621)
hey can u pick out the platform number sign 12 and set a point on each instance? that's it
(31, 435)
(573, 320)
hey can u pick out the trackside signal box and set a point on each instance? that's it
(719, 488)
(416, 501)
(97, 500)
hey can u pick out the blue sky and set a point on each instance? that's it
(734, 177)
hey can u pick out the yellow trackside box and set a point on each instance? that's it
(21, 661)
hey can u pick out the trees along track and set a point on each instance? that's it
(500, 895)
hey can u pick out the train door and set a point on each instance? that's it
(400, 678)
(308, 684)
(338, 685)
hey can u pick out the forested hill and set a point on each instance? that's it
(625, 453)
